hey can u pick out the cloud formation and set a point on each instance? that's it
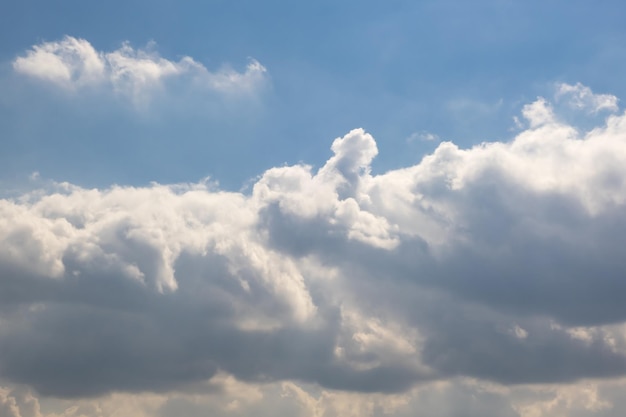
(492, 266)
(74, 64)
(581, 97)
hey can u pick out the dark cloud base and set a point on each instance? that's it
(501, 262)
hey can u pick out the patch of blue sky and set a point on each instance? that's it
(457, 70)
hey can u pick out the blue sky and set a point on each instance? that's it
(456, 69)
(312, 209)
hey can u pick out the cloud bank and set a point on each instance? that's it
(74, 64)
(494, 271)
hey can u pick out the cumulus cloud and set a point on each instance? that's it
(74, 64)
(499, 264)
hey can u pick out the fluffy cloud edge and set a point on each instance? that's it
(73, 64)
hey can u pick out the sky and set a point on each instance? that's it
(312, 209)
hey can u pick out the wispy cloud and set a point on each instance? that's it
(581, 97)
(422, 136)
(74, 64)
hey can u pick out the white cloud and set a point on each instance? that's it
(68, 62)
(581, 97)
(74, 64)
(538, 113)
(463, 276)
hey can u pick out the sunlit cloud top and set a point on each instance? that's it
(74, 64)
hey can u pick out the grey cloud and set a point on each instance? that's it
(536, 255)
(520, 251)
(102, 327)
(473, 263)
(449, 399)
(514, 351)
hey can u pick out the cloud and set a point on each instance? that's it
(74, 64)
(70, 61)
(538, 113)
(422, 136)
(500, 263)
(225, 396)
(581, 97)
(18, 402)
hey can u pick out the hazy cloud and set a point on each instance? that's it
(225, 396)
(422, 136)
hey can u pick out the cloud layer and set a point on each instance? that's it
(74, 64)
(495, 270)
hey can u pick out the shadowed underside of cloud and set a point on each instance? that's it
(502, 262)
